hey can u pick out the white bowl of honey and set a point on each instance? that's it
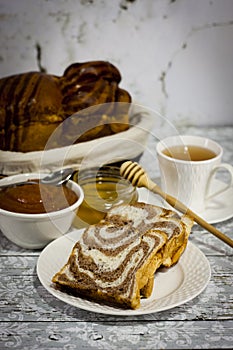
(32, 215)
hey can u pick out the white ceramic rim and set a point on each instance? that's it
(182, 140)
(21, 177)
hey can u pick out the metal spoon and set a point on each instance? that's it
(57, 178)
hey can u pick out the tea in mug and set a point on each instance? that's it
(190, 153)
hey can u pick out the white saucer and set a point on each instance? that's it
(218, 209)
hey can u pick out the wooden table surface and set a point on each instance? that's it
(31, 318)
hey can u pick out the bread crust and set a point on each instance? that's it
(146, 216)
(137, 239)
(34, 104)
(113, 271)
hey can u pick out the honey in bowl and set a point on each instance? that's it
(103, 188)
(189, 153)
(36, 198)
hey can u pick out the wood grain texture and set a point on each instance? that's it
(112, 335)
(31, 318)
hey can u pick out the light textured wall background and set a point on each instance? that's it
(175, 56)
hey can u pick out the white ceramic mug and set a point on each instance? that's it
(187, 180)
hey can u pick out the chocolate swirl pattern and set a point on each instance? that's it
(111, 267)
(34, 104)
(115, 260)
(146, 216)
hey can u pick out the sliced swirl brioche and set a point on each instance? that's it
(144, 217)
(112, 263)
(115, 260)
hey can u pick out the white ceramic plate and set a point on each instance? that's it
(173, 287)
(218, 209)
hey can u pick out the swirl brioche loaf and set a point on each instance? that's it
(34, 104)
(115, 260)
(142, 217)
(112, 263)
(145, 216)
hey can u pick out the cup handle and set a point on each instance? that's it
(226, 166)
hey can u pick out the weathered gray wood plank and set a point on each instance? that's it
(209, 244)
(31, 318)
(21, 290)
(111, 335)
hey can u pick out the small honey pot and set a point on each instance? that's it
(103, 188)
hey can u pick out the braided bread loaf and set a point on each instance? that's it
(34, 104)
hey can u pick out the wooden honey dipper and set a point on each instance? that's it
(139, 178)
